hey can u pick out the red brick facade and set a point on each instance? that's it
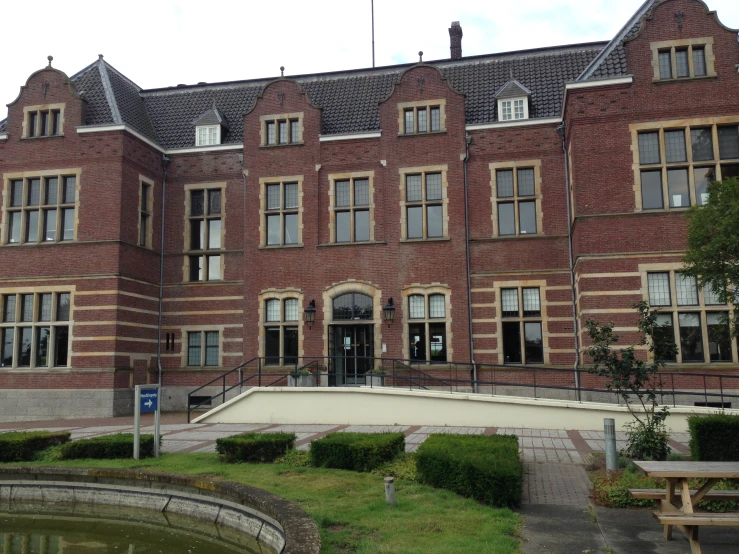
(115, 282)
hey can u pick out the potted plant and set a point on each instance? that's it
(376, 377)
(305, 377)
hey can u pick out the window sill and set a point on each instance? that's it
(270, 146)
(280, 246)
(44, 137)
(434, 239)
(682, 79)
(517, 237)
(46, 370)
(430, 133)
(33, 244)
(365, 243)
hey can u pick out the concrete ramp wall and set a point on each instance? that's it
(386, 406)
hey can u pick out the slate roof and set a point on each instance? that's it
(512, 89)
(3, 124)
(611, 62)
(349, 100)
(211, 117)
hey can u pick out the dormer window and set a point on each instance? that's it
(208, 135)
(514, 109)
(210, 127)
(513, 101)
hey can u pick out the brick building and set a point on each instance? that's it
(498, 200)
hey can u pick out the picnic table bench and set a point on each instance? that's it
(683, 515)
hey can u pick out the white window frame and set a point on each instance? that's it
(511, 104)
(212, 135)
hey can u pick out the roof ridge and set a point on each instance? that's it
(387, 69)
(109, 94)
(616, 41)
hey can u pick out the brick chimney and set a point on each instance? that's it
(455, 40)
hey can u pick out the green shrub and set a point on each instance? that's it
(356, 451)
(255, 447)
(486, 468)
(714, 438)
(21, 446)
(119, 445)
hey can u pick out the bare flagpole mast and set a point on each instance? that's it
(373, 32)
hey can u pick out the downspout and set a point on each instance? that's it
(165, 163)
(575, 323)
(468, 141)
(243, 175)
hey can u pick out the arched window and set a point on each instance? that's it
(281, 331)
(353, 306)
(427, 327)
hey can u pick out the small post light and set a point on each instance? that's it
(389, 311)
(309, 314)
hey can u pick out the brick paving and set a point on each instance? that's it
(553, 458)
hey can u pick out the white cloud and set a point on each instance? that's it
(165, 42)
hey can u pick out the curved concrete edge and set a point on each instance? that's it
(272, 520)
(389, 406)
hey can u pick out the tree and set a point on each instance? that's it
(636, 381)
(713, 243)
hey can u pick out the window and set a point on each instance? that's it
(146, 207)
(35, 330)
(427, 327)
(207, 135)
(281, 208)
(352, 208)
(423, 203)
(513, 109)
(516, 198)
(205, 236)
(683, 59)
(676, 165)
(203, 349)
(41, 208)
(420, 119)
(283, 129)
(43, 121)
(692, 318)
(281, 331)
(521, 325)
(353, 306)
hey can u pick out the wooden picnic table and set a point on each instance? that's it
(682, 514)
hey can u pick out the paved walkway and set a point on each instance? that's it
(558, 517)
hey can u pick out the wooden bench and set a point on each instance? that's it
(661, 494)
(702, 518)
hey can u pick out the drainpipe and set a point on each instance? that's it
(468, 141)
(165, 163)
(561, 132)
(243, 175)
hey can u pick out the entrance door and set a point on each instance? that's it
(352, 351)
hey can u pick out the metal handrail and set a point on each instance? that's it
(502, 376)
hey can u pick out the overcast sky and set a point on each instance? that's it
(159, 43)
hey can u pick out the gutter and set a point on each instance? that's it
(468, 140)
(575, 323)
(165, 163)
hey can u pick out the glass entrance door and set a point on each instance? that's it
(351, 354)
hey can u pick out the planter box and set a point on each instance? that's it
(301, 380)
(375, 380)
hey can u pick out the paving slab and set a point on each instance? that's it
(561, 530)
(554, 483)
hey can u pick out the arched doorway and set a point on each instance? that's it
(351, 339)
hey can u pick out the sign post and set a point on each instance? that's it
(146, 401)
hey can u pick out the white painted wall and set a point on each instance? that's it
(386, 406)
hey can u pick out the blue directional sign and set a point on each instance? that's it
(149, 400)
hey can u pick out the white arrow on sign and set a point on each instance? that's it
(148, 404)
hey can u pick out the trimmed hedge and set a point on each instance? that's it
(107, 447)
(255, 447)
(714, 438)
(356, 451)
(486, 468)
(21, 446)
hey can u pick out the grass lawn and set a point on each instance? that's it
(350, 507)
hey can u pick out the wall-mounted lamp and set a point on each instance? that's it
(388, 311)
(309, 314)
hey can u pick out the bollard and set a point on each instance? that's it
(611, 456)
(390, 491)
